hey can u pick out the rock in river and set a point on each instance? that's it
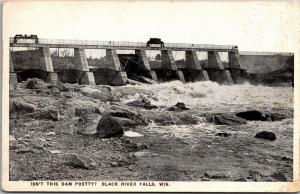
(216, 175)
(279, 176)
(21, 107)
(266, 135)
(34, 83)
(255, 115)
(143, 102)
(225, 119)
(179, 106)
(83, 111)
(252, 115)
(223, 134)
(173, 119)
(79, 161)
(126, 112)
(277, 117)
(52, 114)
(109, 126)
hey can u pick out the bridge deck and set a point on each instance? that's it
(60, 43)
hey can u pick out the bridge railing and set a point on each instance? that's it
(204, 46)
(121, 43)
(93, 43)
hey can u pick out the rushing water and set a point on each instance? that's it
(211, 96)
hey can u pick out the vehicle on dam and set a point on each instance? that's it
(32, 38)
(155, 42)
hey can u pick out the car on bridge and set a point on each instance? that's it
(155, 42)
(22, 37)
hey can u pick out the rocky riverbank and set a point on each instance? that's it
(172, 131)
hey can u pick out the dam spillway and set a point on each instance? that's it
(114, 69)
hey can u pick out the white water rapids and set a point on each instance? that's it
(210, 96)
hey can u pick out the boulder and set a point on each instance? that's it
(79, 161)
(102, 93)
(52, 114)
(83, 111)
(252, 115)
(266, 135)
(32, 123)
(114, 121)
(108, 126)
(21, 107)
(125, 122)
(216, 175)
(143, 102)
(255, 175)
(126, 112)
(225, 119)
(285, 158)
(70, 126)
(114, 164)
(135, 144)
(180, 106)
(63, 88)
(172, 119)
(34, 83)
(186, 119)
(241, 179)
(279, 176)
(255, 115)
(222, 134)
(277, 117)
(25, 151)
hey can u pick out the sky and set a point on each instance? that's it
(252, 25)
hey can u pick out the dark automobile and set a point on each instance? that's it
(20, 36)
(155, 41)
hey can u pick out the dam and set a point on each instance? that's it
(33, 58)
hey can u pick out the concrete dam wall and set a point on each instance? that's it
(264, 62)
(114, 68)
(119, 69)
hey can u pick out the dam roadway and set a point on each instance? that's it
(121, 45)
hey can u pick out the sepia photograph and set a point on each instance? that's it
(150, 96)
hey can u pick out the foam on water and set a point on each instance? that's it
(132, 134)
(210, 95)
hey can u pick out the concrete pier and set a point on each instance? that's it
(47, 66)
(84, 76)
(181, 76)
(153, 75)
(216, 69)
(111, 72)
(168, 69)
(13, 81)
(112, 60)
(235, 68)
(167, 60)
(143, 59)
(143, 62)
(193, 68)
(110, 77)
